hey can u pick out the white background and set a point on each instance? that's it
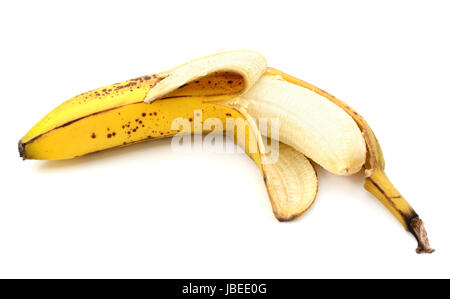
(144, 211)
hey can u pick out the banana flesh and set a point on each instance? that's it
(311, 123)
(117, 115)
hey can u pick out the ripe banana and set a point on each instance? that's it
(314, 124)
(230, 85)
(116, 115)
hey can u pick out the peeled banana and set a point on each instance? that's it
(235, 85)
(311, 123)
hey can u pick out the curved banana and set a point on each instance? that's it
(117, 115)
(336, 142)
(230, 85)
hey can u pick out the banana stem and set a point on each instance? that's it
(417, 228)
(381, 187)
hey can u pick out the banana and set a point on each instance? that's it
(235, 85)
(333, 135)
(117, 115)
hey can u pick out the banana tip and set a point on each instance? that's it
(21, 149)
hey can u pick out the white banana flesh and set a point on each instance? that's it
(309, 123)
